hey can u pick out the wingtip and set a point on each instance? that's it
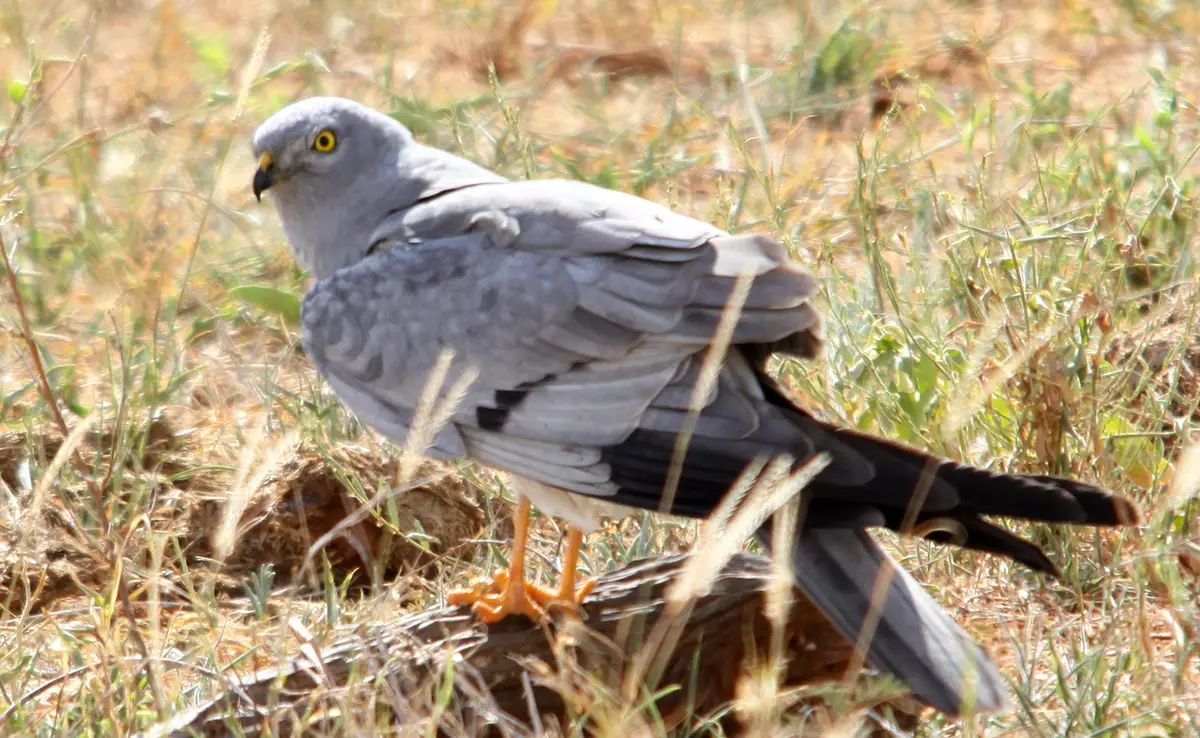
(1127, 512)
(1100, 507)
(981, 691)
(914, 639)
(1048, 567)
(1106, 508)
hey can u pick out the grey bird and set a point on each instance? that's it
(587, 314)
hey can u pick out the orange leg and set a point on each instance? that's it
(506, 593)
(570, 566)
(567, 596)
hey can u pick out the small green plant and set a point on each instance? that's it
(259, 588)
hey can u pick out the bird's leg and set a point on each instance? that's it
(567, 596)
(506, 593)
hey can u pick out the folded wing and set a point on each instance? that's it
(588, 315)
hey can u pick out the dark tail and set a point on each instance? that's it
(915, 639)
(836, 563)
(957, 498)
(871, 482)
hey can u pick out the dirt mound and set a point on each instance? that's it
(337, 501)
(331, 495)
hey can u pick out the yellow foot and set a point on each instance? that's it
(562, 598)
(492, 599)
(507, 593)
(496, 598)
(566, 597)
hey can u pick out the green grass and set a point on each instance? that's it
(1008, 257)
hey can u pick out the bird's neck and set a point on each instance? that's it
(426, 172)
(325, 240)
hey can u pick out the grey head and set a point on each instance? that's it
(336, 169)
(330, 165)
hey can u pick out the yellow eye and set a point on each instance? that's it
(324, 142)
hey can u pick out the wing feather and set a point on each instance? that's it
(639, 316)
(586, 312)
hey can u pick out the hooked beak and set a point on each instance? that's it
(264, 176)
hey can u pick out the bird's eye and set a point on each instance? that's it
(324, 142)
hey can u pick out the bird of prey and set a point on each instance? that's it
(587, 314)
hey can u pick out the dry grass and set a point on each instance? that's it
(998, 197)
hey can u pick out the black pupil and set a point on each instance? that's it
(325, 140)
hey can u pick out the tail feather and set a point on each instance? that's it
(1100, 506)
(869, 482)
(980, 535)
(895, 471)
(901, 471)
(915, 639)
(964, 531)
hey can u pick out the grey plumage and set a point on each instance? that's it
(915, 638)
(587, 312)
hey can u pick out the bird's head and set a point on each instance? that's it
(329, 164)
(322, 144)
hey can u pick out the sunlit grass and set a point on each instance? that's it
(999, 201)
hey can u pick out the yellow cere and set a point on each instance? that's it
(265, 162)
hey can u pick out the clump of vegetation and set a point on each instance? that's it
(998, 198)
